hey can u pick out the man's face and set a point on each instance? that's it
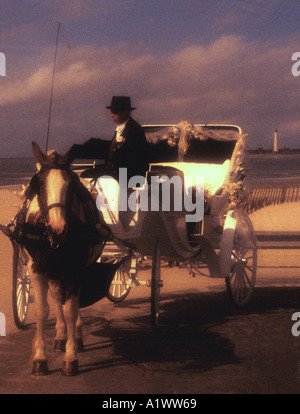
(120, 117)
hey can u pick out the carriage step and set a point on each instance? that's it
(131, 282)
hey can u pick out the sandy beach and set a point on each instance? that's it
(284, 217)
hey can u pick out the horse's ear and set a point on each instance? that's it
(37, 152)
(67, 158)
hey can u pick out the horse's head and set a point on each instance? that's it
(53, 187)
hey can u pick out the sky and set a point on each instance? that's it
(203, 61)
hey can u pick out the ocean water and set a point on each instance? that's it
(273, 166)
(15, 171)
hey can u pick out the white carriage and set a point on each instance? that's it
(223, 240)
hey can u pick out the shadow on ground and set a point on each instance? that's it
(187, 333)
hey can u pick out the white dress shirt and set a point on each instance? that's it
(119, 131)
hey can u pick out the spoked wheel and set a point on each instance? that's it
(120, 286)
(21, 288)
(156, 284)
(241, 280)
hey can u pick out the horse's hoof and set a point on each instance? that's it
(80, 346)
(60, 345)
(40, 367)
(70, 368)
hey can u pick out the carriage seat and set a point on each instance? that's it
(126, 224)
(215, 175)
(122, 223)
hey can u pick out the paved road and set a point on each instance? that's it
(204, 345)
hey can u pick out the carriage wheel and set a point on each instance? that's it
(156, 284)
(241, 280)
(119, 288)
(21, 288)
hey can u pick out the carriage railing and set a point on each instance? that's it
(79, 167)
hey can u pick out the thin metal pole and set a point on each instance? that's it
(51, 96)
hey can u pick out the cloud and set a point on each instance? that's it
(79, 10)
(227, 20)
(259, 9)
(18, 37)
(17, 32)
(68, 10)
(230, 80)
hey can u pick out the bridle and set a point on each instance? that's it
(34, 187)
(45, 218)
(61, 205)
(89, 227)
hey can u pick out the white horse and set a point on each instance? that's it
(72, 242)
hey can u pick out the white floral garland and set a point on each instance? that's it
(235, 188)
(186, 129)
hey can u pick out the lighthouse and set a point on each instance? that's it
(275, 149)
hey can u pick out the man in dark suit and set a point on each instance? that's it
(128, 148)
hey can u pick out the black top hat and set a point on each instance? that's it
(120, 103)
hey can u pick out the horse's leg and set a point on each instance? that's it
(56, 291)
(40, 286)
(71, 310)
(78, 333)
